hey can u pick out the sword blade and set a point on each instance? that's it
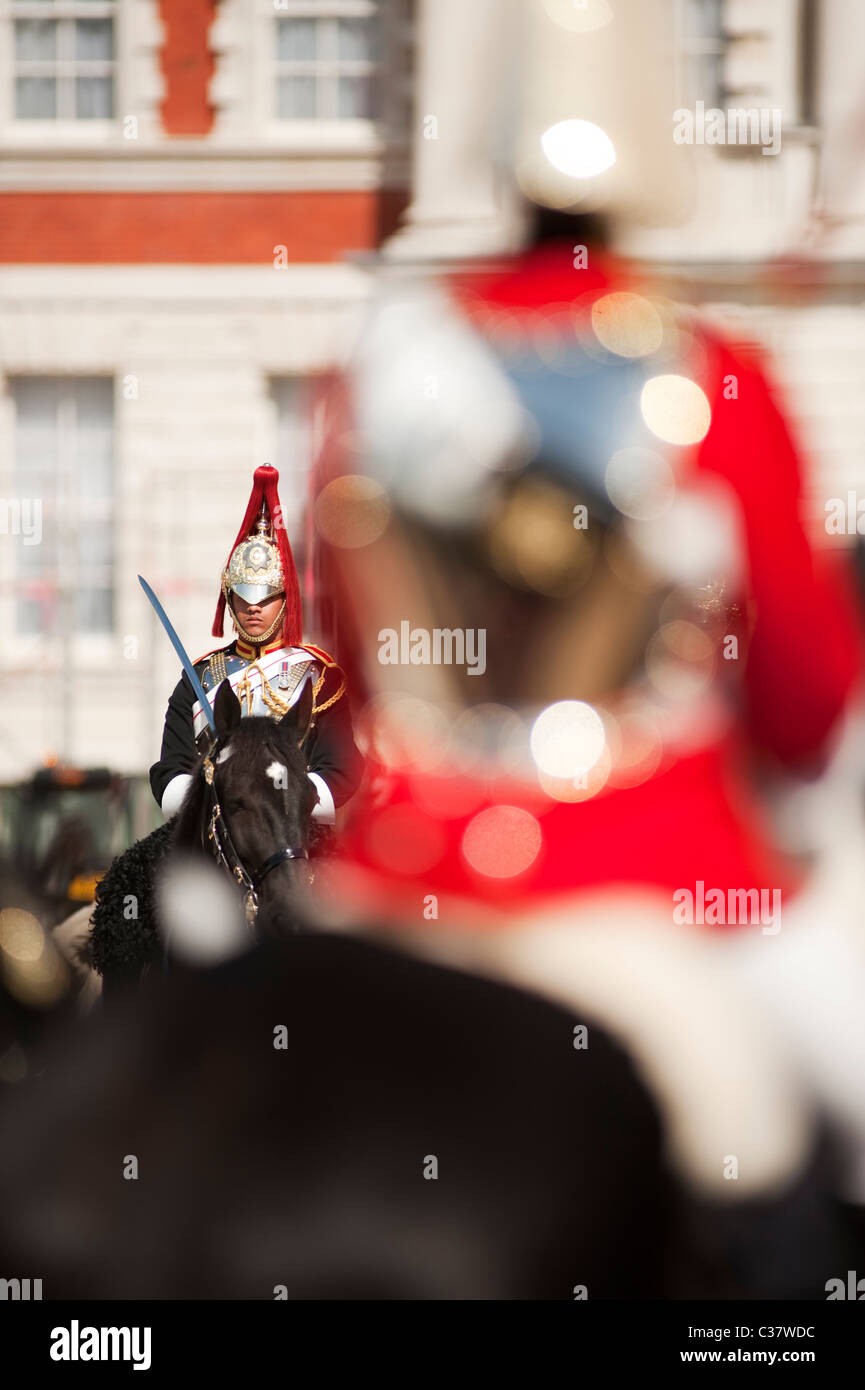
(181, 652)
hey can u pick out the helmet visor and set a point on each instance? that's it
(256, 593)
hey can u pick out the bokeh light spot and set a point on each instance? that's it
(676, 409)
(351, 511)
(627, 324)
(579, 16)
(567, 739)
(502, 841)
(21, 935)
(403, 731)
(579, 149)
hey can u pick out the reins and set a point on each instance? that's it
(225, 853)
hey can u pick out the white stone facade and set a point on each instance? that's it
(196, 348)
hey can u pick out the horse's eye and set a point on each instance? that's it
(233, 807)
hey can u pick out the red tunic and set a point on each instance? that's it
(696, 817)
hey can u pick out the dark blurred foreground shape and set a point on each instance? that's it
(303, 1167)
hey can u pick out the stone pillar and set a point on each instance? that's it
(462, 80)
(840, 115)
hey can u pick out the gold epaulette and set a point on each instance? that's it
(216, 664)
(198, 660)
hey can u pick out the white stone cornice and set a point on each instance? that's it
(165, 286)
(186, 168)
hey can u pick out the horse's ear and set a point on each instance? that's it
(226, 709)
(295, 721)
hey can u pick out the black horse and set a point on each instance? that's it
(251, 803)
(249, 807)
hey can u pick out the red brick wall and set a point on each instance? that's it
(104, 227)
(191, 228)
(187, 65)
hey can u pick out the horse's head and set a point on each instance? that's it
(255, 772)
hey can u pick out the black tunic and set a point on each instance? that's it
(331, 748)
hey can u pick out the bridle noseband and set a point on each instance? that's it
(226, 855)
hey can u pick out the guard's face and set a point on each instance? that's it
(256, 617)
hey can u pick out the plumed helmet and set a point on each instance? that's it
(260, 564)
(254, 570)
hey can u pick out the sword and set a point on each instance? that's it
(179, 648)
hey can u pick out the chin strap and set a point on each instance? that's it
(260, 638)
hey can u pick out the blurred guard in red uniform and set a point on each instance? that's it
(561, 523)
(605, 492)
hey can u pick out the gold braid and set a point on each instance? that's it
(274, 703)
(319, 709)
(245, 691)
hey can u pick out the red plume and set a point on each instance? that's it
(264, 484)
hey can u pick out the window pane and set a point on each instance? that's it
(296, 40)
(702, 19)
(95, 542)
(35, 39)
(94, 98)
(35, 98)
(64, 457)
(704, 74)
(35, 433)
(94, 39)
(93, 610)
(356, 40)
(94, 439)
(29, 616)
(295, 98)
(356, 98)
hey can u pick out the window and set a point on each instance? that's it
(326, 60)
(316, 76)
(701, 46)
(63, 472)
(748, 55)
(63, 54)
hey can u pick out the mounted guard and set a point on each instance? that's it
(267, 665)
(271, 672)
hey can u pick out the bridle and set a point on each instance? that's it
(225, 853)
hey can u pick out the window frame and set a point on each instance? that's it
(359, 133)
(243, 88)
(326, 71)
(785, 32)
(92, 641)
(62, 130)
(690, 49)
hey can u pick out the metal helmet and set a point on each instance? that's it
(260, 564)
(255, 570)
